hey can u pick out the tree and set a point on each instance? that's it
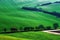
(14, 29)
(26, 28)
(41, 27)
(21, 29)
(48, 28)
(55, 25)
(36, 28)
(5, 29)
(31, 28)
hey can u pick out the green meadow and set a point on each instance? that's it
(30, 36)
(11, 15)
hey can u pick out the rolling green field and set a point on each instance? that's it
(4, 37)
(32, 36)
(52, 7)
(11, 15)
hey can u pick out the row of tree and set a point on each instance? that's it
(39, 28)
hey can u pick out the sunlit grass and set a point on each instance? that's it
(2, 37)
(35, 35)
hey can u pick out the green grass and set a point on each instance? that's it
(35, 36)
(52, 7)
(12, 16)
(26, 18)
(3, 37)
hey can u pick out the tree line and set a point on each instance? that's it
(38, 28)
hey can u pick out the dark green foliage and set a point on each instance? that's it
(55, 25)
(21, 28)
(5, 29)
(48, 28)
(31, 28)
(28, 28)
(41, 27)
(36, 29)
(14, 29)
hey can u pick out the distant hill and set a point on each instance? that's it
(52, 7)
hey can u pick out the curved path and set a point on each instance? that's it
(50, 31)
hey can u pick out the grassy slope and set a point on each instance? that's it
(35, 36)
(26, 18)
(3, 37)
(52, 7)
(12, 16)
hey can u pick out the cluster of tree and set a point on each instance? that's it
(32, 9)
(46, 4)
(39, 28)
(57, 2)
(41, 10)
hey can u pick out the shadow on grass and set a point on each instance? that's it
(12, 32)
(41, 10)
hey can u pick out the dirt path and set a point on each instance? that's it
(50, 31)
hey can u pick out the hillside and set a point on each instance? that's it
(3, 37)
(35, 36)
(12, 16)
(52, 7)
